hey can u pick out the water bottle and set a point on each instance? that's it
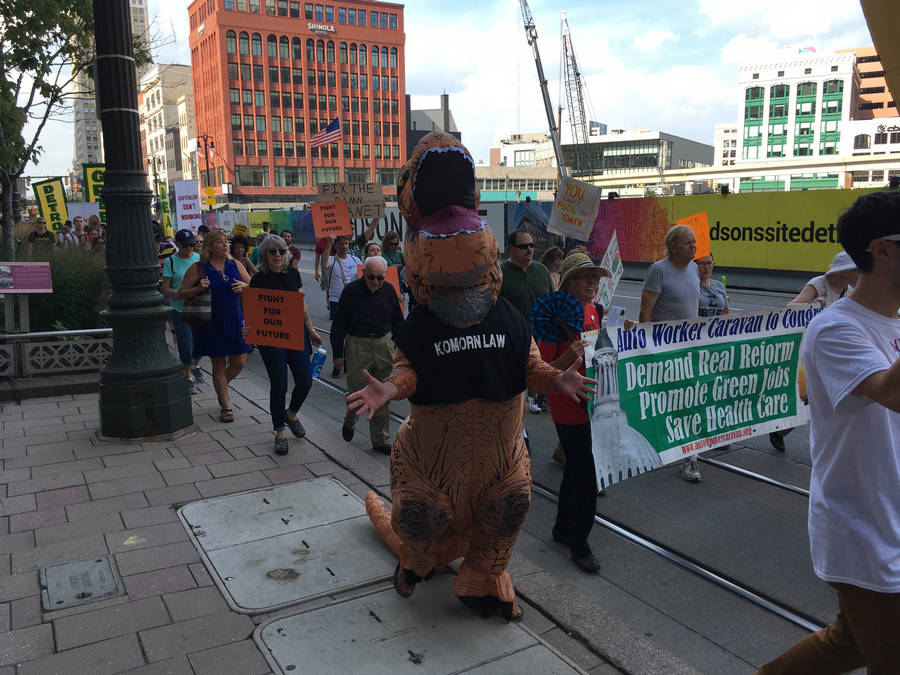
(318, 360)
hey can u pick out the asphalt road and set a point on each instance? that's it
(745, 530)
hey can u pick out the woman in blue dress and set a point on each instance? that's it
(221, 339)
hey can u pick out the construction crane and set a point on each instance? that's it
(575, 94)
(531, 35)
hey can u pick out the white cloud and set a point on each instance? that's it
(653, 39)
(780, 19)
(744, 49)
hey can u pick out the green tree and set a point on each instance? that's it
(44, 46)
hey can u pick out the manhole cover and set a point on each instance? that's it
(432, 632)
(278, 546)
(78, 583)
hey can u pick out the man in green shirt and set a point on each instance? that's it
(524, 281)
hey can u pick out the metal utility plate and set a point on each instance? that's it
(272, 548)
(78, 583)
(431, 632)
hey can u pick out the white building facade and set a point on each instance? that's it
(161, 88)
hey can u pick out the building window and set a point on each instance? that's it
(872, 73)
(393, 22)
(395, 106)
(802, 150)
(276, 148)
(871, 106)
(363, 55)
(393, 84)
(297, 76)
(285, 75)
(257, 72)
(363, 81)
(247, 96)
(320, 51)
(779, 91)
(284, 50)
(828, 148)
(236, 122)
(248, 122)
(831, 107)
(273, 74)
(806, 108)
(393, 57)
(262, 148)
(290, 176)
(895, 137)
(331, 82)
(862, 142)
(775, 150)
(276, 124)
(256, 45)
(753, 94)
(230, 42)
(881, 138)
(298, 100)
(320, 13)
(330, 52)
(285, 99)
(310, 50)
(272, 47)
(260, 123)
(251, 176)
(282, 8)
(342, 15)
(321, 78)
(352, 54)
(299, 124)
(343, 53)
(778, 110)
(237, 146)
(308, 10)
(234, 96)
(295, 9)
(250, 148)
(807, 71)
(806, 89)
(244, 44)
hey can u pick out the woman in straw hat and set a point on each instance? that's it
(579, 277)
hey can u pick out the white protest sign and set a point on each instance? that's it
(612, 263)
(364, 200)
(187, 205)
(574, 209)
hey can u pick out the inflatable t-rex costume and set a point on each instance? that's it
(460, 472)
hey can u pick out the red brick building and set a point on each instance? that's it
(269, 74)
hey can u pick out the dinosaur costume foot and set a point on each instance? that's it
(488, 605)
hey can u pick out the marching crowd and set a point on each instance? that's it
(78, 232)
(850, 355)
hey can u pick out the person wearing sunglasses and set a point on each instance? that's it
(525, 280)
(851, 351)
(173, 270)
(276, 273)
(366, 315)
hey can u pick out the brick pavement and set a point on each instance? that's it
(67, 496)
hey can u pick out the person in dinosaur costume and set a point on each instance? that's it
(460, 472)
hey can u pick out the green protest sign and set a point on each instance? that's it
(681, 387)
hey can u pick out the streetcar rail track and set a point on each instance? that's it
(692, 566)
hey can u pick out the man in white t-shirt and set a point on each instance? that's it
(339, 271)
(852, 356)
(671, 292)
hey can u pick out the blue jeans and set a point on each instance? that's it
(277, 361)
(185, 339)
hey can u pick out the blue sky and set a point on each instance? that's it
(658, 64)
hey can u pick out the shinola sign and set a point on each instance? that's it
(320, 27)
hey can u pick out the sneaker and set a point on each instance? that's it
(347, 433)
(281, 445)
(586, 563)
(533, 406)
(192, 389)
(295, 426)
(777, 441)
(199, 377)
(690, 471)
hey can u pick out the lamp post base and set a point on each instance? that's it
(144, 407)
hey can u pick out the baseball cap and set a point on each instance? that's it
(184, 237)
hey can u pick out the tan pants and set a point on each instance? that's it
(375, 355)
(864, 633)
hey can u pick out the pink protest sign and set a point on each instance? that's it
(28, 277)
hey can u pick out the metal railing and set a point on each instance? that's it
(54, 352)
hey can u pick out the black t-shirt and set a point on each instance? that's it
(486, 361)
(278, 281)
(45, 239)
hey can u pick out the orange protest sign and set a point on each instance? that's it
(699, 223)
(275, 318)
(331, 219)
(392, 276)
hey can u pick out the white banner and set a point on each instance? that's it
(574, 209)
(83, 209)
(187, 205)
(612, 263)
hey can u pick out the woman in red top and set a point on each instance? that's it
(578, 490)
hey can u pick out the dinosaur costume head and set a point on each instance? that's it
(451, 255)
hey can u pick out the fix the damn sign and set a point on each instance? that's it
(364, 200)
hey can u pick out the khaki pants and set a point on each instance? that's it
(865, 633)
(375, 355)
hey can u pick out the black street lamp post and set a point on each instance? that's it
(208, 144)
(143, 391)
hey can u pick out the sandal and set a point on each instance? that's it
(295, 426)
(225, 415)
(401, 583)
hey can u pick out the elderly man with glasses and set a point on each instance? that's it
(366, 315)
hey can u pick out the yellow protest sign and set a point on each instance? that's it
(51, 198)
(165, 211)
(94, 179)
(699, 223)
(239, 228)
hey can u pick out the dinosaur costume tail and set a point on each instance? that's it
(380, 515)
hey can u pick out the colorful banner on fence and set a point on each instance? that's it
(50, 195)
(93, 177)
(165, 211)
(672, 389)
(187, 205)
(275, 318)
(575, 209)
(762, 231)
